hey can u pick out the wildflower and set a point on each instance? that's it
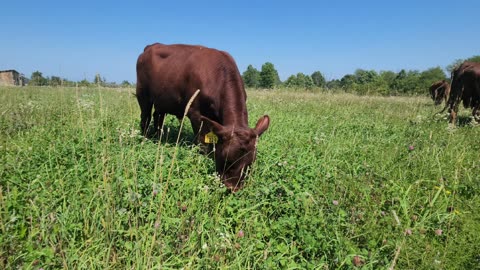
(411, 148)
(357, 261)
(157, 224)
(408, 232)
(438, 231)
(335, 202)
(240, 234)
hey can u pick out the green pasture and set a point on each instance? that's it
(341, 181)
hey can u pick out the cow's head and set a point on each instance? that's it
(235, 150)
(439, 91)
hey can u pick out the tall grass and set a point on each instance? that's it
(340, 181)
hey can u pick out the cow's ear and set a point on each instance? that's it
(212, 125)
(262, 124)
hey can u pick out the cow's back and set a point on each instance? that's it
(161, 65)
(170, 74)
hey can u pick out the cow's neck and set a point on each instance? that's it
(234, 110)
(235, 118)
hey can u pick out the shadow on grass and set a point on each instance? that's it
(171, 131)
(462, 120)
(465, 121)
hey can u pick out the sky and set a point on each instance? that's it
(78, 39)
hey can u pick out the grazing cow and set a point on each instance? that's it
(465, 88)
(169, 75)
(439, 91)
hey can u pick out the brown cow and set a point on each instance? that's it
(439, 91)
(465, 88)
(169, 75)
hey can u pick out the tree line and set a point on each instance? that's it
(404, 82)
(364, 82)
(37, 79)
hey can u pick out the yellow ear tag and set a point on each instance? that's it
(211, 137)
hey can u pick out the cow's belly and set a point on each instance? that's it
(166, 103)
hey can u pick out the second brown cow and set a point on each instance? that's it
(169, 75)
(439, 91)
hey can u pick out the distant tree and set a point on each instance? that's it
(300, 81)
(318, 79)
(431, 75)
(291, 81)
(407, 82)
(110, 84)
(98, 80)
(347, 81)
(362, 82)
(269, 76)
(363, 77)
(66, 82)
(55, 81)
(304, 81)
(308, 82)
(84, 83)
(126, 84)
(385, 82)
(387, 77)
(333, 84)
(37, 79)
(251, 77)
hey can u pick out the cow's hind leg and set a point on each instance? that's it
(158, 119)
(146, 113)
(453, 110)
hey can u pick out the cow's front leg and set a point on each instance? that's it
(199, 132)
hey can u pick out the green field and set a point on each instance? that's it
(341, 181)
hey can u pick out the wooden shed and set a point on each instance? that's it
(11, 77)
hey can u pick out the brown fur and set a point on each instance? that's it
(465, 88)
(168, 76)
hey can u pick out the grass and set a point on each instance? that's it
(341, 181)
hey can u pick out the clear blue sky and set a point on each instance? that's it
(77, 39)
